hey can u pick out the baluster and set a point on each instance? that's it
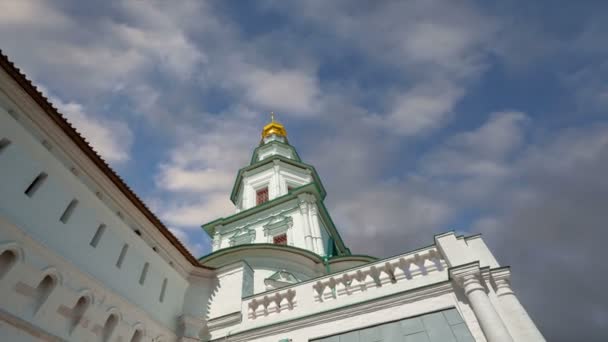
(404, 266)
(419, 262)
(347, 281)
(330, 289)
(436, 258)
(319, 287)
(360, 278)
(253, 306)
(374, 273)
(386, 276)
(290, 296)
(266, 304)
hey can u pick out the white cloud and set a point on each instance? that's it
(36, 13)
(290, 91)
(196, 248)
(423, 108)
(482, 152)
(191, 214)
(111, 138)
(174, 178)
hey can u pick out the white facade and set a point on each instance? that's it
(82, 259)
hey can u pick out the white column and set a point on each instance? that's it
(518, 320)
(304, 211)
(316, 229)
(469, 278)
(217, 238)
(276, 180)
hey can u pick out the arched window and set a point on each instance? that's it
(109, 326)
(138, 336)
(78, 311)
(8, 259)
(43, 290)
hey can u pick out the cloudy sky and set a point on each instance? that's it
(420, 116)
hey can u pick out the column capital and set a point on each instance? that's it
(467, 276)
(464, 272)
(501, 274)
(313, 209)
(501, 278)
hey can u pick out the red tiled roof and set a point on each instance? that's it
(81, 142)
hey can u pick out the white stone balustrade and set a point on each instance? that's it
(272, 303)
(383, 273)
(396, 274)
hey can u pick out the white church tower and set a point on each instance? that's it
(279, 200)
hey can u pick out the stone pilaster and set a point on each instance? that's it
(316, 229)
(304, 206)
(190, 328)
(519, 322)
(468, 277)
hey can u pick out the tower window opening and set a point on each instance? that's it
(144, 273)
(261, 196)
(121, 257)
(4, 144)
(35, 185)
(100, 230)
(68, 211)
(280, 239)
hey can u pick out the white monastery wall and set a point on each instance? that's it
(39, 216)
(32, 311)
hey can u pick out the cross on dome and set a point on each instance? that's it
(274, 127)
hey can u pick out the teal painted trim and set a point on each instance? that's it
(305, 252)
(270, 159)
(253, 210)
(363, 256)
(313, 188)
(256, 150)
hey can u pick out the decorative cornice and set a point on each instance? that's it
(223, 321)
(462, 273)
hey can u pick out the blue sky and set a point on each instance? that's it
(420, 116)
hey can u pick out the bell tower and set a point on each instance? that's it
(278, 200)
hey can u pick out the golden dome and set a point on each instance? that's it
(273, 128)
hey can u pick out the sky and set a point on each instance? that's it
(421, 117)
